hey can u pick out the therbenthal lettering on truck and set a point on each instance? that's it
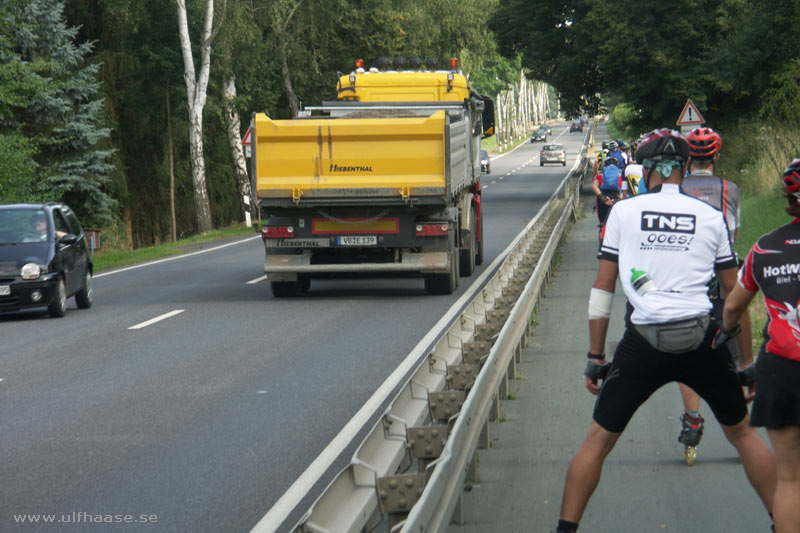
(297, 243)
(337, 168)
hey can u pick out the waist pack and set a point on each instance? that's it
(678, 336)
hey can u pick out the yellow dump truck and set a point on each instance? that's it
(386, 178)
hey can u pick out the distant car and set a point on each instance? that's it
(553, 153)
(43, 258)
(575, 126)
(486, 167)
(548, 129)
(539, 135)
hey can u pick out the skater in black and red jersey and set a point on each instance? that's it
(773, 267)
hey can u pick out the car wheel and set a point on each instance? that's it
(563, 163)
(58, 307)
(541, 164)
(85, 297)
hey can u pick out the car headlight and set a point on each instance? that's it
(30, 271)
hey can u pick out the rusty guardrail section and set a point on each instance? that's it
(411, 468)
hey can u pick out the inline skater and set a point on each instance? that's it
(669, 333)
(700, 182)
(633, 177)
(606, 186)
(777, 371)
(614, 151)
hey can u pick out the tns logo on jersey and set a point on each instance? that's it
(669, 222)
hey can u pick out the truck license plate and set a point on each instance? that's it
(5, 290)
(357, 240)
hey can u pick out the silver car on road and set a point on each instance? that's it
(553, 153)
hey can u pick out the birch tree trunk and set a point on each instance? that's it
(280, 30)
(196, 89)
(235, 143)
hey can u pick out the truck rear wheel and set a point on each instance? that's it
(284, 289)
(479, 253)
(467, 253)
(444, 283)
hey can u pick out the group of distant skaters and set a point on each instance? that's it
(668, 224)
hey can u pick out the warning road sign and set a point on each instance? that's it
(690, 115)
(246, 142)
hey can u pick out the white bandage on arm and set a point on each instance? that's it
(600, 303)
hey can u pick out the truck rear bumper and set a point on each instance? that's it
(281, 267)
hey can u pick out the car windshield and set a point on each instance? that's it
(552, 148)
(21, 225)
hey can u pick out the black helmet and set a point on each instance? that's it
(663, 144)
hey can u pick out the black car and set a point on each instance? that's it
(576, 126)
(486, 167)
(43, 258)
(539, 135)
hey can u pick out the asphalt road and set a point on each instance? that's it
(199, 421)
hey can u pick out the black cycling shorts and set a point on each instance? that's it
(777, 402)
(638, 370)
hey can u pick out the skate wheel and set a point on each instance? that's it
(689, 454)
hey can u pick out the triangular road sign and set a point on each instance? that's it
(690, 115)
(246, 138)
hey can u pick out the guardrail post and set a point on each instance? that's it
(483, 439)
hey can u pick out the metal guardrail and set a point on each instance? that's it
(442, 413)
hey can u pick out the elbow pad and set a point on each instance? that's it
(600, 302)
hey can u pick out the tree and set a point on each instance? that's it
(196, 89)
(50, 116)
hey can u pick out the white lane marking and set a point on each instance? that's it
(262, 278)
(501, 178)
(173, 258)
(485, 186)
(157, 319)
(495, 181)
(261, 392)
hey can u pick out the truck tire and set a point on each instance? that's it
(284, 289)
(444, 283)
(466, 258)
(479, 252)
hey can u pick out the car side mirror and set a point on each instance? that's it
(69, 238)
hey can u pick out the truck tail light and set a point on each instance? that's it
(277, 232)
(432, 229)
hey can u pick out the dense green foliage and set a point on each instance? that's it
(51, 122)
(93, 100)
(138, 49)
(723, 54)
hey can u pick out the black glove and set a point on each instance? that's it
(724, 335)
(747, 376)
(595, 371)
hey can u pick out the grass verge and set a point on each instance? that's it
(118, 258)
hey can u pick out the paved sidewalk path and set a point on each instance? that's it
(646, 486)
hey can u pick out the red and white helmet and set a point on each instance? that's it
(704, 143)
(791, 178)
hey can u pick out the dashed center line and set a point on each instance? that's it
(157, 319)
(252, 281)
